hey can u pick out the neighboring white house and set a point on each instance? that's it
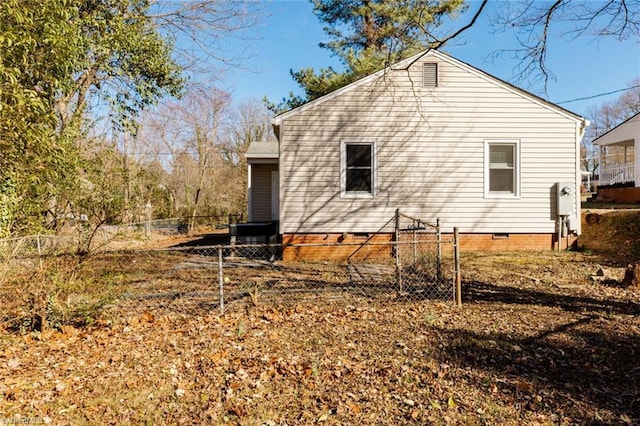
(620, 168)
(435, 138)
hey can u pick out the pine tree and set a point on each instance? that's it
(367, 35)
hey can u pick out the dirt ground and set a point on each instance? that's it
(538, 340)
(612, 234)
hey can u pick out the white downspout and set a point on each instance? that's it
(580, 130)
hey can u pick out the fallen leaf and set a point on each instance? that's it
(13, 364)
(238, 410)
(451, 403)
(148, 317)
(523, 386)
(69, 330)
(354, 408)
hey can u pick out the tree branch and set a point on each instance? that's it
(439, 43)
(533, 20)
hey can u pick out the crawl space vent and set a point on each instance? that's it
(430, 74)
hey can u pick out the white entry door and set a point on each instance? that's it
(275, 196)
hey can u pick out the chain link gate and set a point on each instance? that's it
(419, 263)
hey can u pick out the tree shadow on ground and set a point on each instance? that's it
(583, 368)
(599, 374)
(477, 291)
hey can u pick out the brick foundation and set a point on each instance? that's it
(335, 247)
(341, 246)
(512, 242)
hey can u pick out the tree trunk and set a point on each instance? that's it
(631, 276)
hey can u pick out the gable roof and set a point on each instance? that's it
(626, 131)
(405, 64)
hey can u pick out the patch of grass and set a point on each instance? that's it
(429, 319)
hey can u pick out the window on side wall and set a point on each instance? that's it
(358, 169)
(502, 169)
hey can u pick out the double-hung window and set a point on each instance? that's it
(358, 169)
(502, 169)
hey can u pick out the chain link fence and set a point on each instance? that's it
(415, 263)
(81, 236)
(221, 277)
(34, 246)
(178, 225)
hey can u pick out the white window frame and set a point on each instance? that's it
(343, 170)
(516, 165)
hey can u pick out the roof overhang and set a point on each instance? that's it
(405, 64)
(623, 134)
(260, 151)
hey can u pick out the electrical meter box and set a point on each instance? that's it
(566, 198)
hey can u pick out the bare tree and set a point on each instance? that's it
(608, 115)
(605, 117)
(186, 136)
(201, 141)
(250, 123)
(202, 28)
(535, 21)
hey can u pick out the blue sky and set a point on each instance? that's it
(288, 39)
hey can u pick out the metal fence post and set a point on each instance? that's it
(438, 251)
(220, 280)
(39, 250)
(456, 256)
(397, 238)
(415, 242)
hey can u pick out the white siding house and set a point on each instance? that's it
(621, 168)
(436, 138)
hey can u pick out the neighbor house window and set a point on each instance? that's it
(502, 174)
(358, 168)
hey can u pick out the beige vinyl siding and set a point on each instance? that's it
(261, 191)
(429, 155)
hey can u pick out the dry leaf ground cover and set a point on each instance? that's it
(536, 342)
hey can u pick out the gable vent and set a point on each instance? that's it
(430, 74)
